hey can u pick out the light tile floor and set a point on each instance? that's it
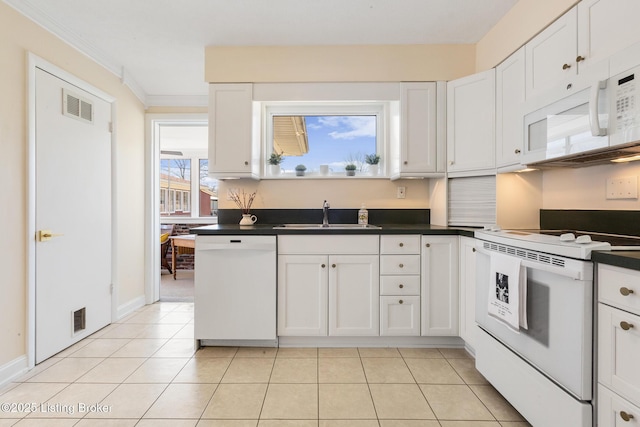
(143, 371)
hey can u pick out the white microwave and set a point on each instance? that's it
(588, 125)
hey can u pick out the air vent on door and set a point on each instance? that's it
(79, 320)
(76, 107)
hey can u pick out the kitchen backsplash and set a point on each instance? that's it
(336, 216)
(602, 221)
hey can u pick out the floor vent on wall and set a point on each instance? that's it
(79, 320)
(76, 107)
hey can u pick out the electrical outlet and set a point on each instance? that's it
(622, 188)
(401, 192)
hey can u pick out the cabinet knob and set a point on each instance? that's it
(401, 265)
(625, 325)
(322, 265)
(626, 416)
(566, 66)
(517, 151)
(405, 162)
(450, 162)
(428, 245)
(333, 266)
(580, 58)
(401, 286)
(626, 291)
(401, 244)
(401, 302)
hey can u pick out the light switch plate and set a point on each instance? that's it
(622, 188)
(401, 192)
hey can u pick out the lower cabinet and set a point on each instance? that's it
(439, 285)
(400, 315)
(328, 294)
(467, 271)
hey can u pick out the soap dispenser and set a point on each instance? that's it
(363, 215)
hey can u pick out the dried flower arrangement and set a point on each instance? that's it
(244, 202)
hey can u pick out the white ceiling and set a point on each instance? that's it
(157, 46)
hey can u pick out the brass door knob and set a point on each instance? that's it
(626, 325)
(566, 66)
(626, 291)
(626, 416)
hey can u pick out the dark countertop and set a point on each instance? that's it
(267, 229)
(624, 259)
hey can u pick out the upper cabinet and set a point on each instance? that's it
(551, 56)
(231, 150)
(510, 96)
(587, 34)
(417, 154)
(471, 125)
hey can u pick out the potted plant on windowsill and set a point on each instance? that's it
(372, 160)
(351, 169)
(300, 170)
(274, 163)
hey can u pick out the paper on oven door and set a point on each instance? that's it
(508, 291)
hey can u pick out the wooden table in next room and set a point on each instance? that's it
(182, 241)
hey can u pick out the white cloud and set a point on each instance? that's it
(350, 127)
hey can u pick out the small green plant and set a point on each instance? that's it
(275, 158)
(350, 167)
(301, 168)
(372, 159)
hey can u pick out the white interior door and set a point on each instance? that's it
(72, 214)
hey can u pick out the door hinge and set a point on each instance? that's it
(111, 288)
(110, 127)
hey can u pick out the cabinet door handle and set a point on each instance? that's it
(626, 291)
(333, 266)
(566, 66)
(626, 416)
(580, 58)
(322, 265)
(473, 249)
(401, 265)
(428, 245)
(401, 302)
(405, 162)
(246, 163)
(517, 151)
(401, 286)
(401, 244)
(626, 325)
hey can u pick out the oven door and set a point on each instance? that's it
(558, 341)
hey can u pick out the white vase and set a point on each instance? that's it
(274, 169)
(248, 219)
(373, 170)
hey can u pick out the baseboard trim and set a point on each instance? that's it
(13, 369)
(129, 307)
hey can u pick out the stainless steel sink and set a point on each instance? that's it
(325, 227)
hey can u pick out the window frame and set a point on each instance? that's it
(379, 109)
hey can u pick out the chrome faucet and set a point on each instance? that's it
(325, 214)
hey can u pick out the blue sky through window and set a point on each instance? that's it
(334, 140)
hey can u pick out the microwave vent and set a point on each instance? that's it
(591, 158)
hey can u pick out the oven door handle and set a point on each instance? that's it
(561, 271)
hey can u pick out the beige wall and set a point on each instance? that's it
(375, 63)
(521, 23)
(341, 193)
(18, 36)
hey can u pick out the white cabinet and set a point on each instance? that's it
(400, 285)
(510, 96)
(467, 265)
(551, 55)
(353, 295)
(618, 346)
(302, 295)
(439, 290)
(471, 125)
(328, 285)
(233, 153)
(417, 153)
(606, 27)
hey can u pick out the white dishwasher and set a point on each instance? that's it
(235, 290)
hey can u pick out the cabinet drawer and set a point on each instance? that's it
(400, 264)
(618, 349)
(399, 244)
(400, 316)
(400, 285)
(612, 408)
(619, 287)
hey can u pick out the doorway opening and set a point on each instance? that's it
(182, 197)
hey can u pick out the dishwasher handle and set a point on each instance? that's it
(235, 245)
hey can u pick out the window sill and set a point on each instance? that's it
(330, 176)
